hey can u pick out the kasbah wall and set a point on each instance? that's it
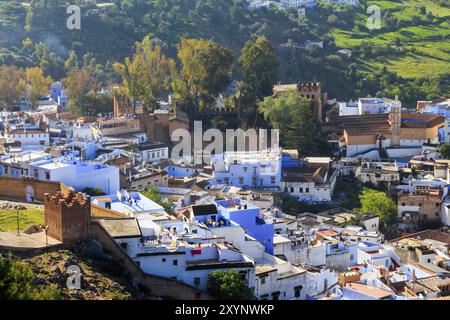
(27, 189)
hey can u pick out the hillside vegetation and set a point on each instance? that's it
(419, 30)
(408, 56)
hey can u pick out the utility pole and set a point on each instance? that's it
(17, 215)
(46, 235)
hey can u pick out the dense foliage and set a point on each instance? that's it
(16, 282)
(228, 285)
(379, 203)
(36, 35)
(292, 114)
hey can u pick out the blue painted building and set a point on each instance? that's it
(237, 212)
(249, 217)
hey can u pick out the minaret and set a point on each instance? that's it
(395, 119)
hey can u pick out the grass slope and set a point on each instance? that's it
(8, 219)
(427, 48)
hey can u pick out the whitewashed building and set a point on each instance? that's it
(77, 174)
(251, 169)
(309, 184)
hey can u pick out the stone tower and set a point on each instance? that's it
(395, 119)
(67, 217)
(312, 91)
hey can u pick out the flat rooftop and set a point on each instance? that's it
(121, 228)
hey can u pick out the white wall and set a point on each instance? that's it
(355, 149)
(445, 214)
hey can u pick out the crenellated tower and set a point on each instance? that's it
(67, 217)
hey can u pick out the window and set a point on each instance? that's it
(306, 190)
(175, 262)
(272, 179)
(276, 295)
(245, 169)
(47, 175)
(196, 281)
(297, 291)
(241, 180)
(163, 259)
(263, 280)
(403, 204)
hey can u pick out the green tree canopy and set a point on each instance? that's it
(444, 150)
(228, 285)
(378, 202)
(258, 65)
(292, 114)
(155, 196)
(147, 75)
(16, 282)
(206, 69)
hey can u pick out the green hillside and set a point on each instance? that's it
(420, 30)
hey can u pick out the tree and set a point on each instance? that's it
(39, 85)
(16, 282)
(11, 84)
(228, 285)
(79, 82)
(205, 71)
(154, 195)
(158, 71)
(72, 61)
(293, 115)
(148, 74)
(444, 150)
(258, 65)
(378, 202)
(50, 63)
(132, 73)
(94, 191)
